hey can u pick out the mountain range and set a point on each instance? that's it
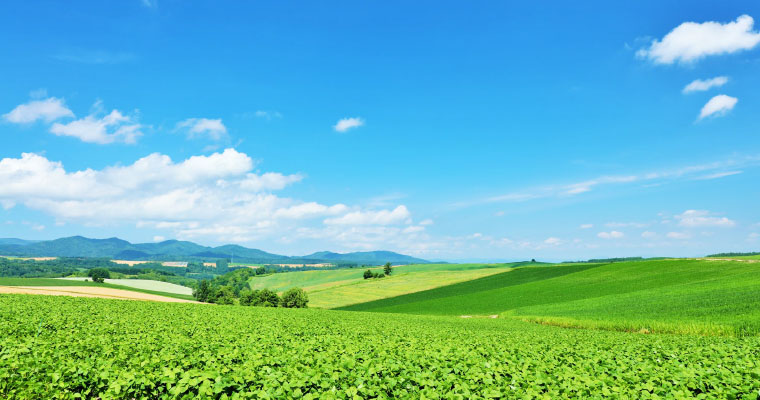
(175, 250)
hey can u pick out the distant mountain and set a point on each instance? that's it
(175, 250)
(366, 257)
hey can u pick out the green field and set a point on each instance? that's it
(335, 288)
(67, 282)
(99, 348)
(752, 257)
(678, 296)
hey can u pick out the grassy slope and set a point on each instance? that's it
(64, 282)
(680, 296)
(335, 288)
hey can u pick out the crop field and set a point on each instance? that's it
(678, 296)
(156, 286)
(96, 348)
(45, 282)
(336, 288)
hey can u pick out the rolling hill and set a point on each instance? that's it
(173, 250)
(712, 297)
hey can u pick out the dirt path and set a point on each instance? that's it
(89, 291)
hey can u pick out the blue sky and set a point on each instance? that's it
(446, 130)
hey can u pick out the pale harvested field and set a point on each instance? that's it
(89, 291)
(145, 284)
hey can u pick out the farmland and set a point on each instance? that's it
(109, 349)
(54, 282)
(678, 296)
(146, 284)
(335, 288)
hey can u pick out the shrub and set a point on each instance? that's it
(248, 297)
(267, 298)
(294, 298)
(368, 274)
(387, 269)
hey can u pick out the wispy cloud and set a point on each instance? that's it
(718, 106)
(700, 85)
(346, 124)
(198, 127)
(692, 41)
(47, 110)
(82, 56)
(654, 178)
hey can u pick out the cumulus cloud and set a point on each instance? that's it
(47, 110)
(692, 41)
(700, 85)
(610, 235)
(216, 197)
(702, 218)
(198, 127)
(718, 106)
(345, 124)
(111, 128)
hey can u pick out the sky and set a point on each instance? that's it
(444, 130)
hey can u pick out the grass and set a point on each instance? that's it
(670, 296)
(66, 282)
(336, 288)
(100, 348)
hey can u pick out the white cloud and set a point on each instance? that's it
(553, 241)
(345, 124)
(648, 235)
(382, 217)
(158, 238)
(268, 115)
(586, 226)
(678, 235)
(215, 197)
(426, 222)
(718, 106)
(717, 175)
(625, 225)
(610, 235)
(702, 218)
(196, 127)
(692, 41)
(47, 110)
(700, 85)
(114, 127)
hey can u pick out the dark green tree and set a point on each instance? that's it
(248, 297)
(222, 266)
(267, 298)
(387, 269)
(225, 295)
(368, 274)
(203, 292)
(294, 298)
(99, 275)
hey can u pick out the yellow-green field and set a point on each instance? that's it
(338, 288)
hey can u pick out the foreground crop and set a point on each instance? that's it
(57, 347)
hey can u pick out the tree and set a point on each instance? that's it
(294, 298)
(99, 275)
(248, 297)
(532, 260)
(225, 296)
(267, 298)
(222, 266)
(387, 269)
(368, 274)
(203, 292)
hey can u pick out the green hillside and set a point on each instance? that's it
(684, 296)
(335, 288)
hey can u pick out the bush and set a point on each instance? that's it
(267, 298)
(294, 298)
(248, 297)
(203, 292)
(368, 274)
(99, 275)
(225, 295)
(387, 269)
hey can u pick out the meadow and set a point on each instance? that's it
(335, 288)
(96, 348)
(672, 296)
